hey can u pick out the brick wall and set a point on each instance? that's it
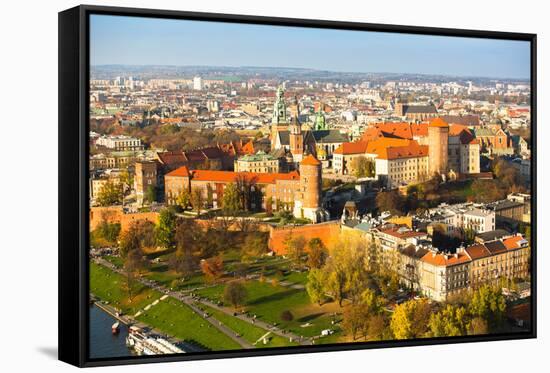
(327, 232)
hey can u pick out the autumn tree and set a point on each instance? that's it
(363, 167)
(183, 199)
(489, 304)
(231, 203)
(410, 319)
(235, 293)
(389, 201)
(150, 194)
(317, 253)
(316, 284)
(376, 327)
(110, 194)
(449, 322)
(197, 200)
(166, 227)
(255, 245)
(478, 326)
(212, 268)
(355, 320)
(187, 239)
(105, 234)
(295, 249)
(138, 236)
(209, 195)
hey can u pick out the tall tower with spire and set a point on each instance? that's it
(296, 140)
(279, 121)
(320, 121)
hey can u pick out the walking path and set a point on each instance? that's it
(187, 300)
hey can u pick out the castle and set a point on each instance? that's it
(296, 191)
(289, 140)
(405, 153)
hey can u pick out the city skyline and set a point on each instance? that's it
(139, 41)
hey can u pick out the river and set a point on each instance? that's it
(103, 344)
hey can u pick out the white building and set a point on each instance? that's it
(197, 83)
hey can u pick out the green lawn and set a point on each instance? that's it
(248, 331)
(116, 260)
(111, 286)
(268, 302)
(171, 316)
(177, 319)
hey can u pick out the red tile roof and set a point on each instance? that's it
(347, 148)
(310, 160)
(438, 122)
(181, 172)
(229, 176)
(438, 259)
(514, 242)
(388, 148)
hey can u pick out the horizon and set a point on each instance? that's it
(122, 40)
(528, 79)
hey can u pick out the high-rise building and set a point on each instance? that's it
(197, 83)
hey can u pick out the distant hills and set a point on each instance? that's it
(243, 73)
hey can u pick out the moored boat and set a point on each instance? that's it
(115, 328)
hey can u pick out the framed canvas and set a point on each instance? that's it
(234, 186)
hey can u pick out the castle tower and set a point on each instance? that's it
(320, 121)
(145, 178)
(438, 143)
(279, 120)
(296, 139)
(308, 203)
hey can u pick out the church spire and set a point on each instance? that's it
(320, 121)
(279, 108)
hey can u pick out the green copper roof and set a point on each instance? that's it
(320, 121)
(279, 108)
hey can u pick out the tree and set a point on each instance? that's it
(187, 239)
(410, 319)
(484, 191)
(183, 199)
(212, 268)
(234, 293)
(231, 203)
(127, 180)
(449, 322)
(295, 249)
(478, 326)
(209, 195)
(389, 201)
(489, 304)
(165, 230)
(363, 167)
(150, 194)
(197, 200)
(376, 327)
(316, 284)
(106, 234)
(248, 191)
(139, 235)
(336, 285)
(110, 194)
(317, 253)
(355, 320)
(286, 315)
(255, 244)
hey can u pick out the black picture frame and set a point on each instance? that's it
(73, 184)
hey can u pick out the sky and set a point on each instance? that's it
(152, 41)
